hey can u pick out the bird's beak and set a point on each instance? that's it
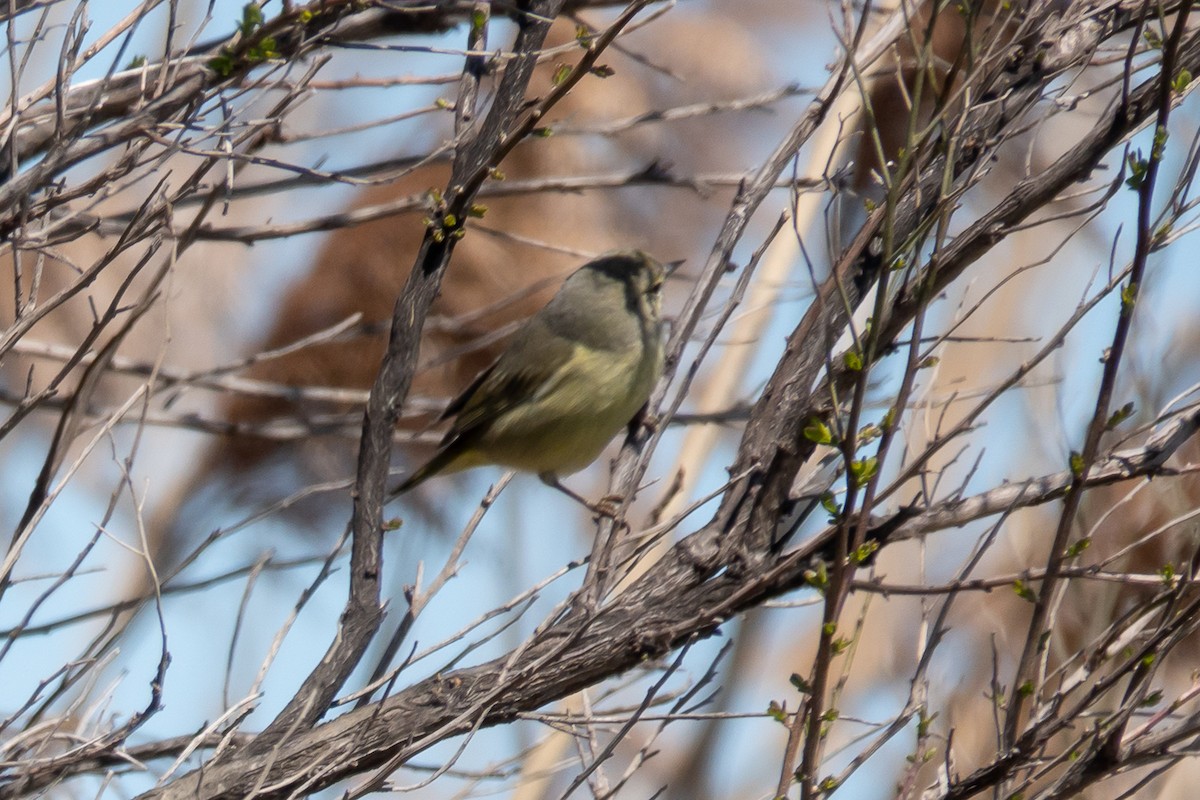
(670, 267)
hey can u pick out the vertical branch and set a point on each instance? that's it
(363, 612)
(474, 69)
(1025, 683)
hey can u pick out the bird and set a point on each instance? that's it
(573, 375)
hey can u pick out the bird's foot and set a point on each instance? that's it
(607, 506)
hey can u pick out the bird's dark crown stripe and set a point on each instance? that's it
(620, 266)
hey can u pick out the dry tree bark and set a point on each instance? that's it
(1062, 725)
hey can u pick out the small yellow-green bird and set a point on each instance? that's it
(575, 374)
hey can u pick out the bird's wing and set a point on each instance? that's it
(459, 403)
(532, 362)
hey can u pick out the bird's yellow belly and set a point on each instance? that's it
(564, 429)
